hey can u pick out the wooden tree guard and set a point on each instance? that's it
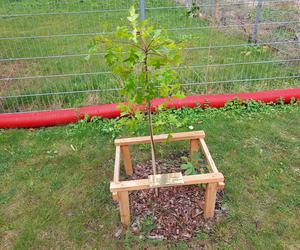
(214, 180)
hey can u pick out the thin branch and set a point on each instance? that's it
(150, 43)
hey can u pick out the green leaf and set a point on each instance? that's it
(184, 166)
(111, 58)
(102, 39)
(189, 171)
(122, 32)
(164, 90)
(169, 138)
(157, 33)
(133, 57)
(133, 18)
(147, 30)
(156, 63)
(132, 14)
(184, 158)
(131, 10)
(121, 70)
(122, 107)
(179, 95)
(139, 98)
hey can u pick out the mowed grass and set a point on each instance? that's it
(46, 36)
(54, 184)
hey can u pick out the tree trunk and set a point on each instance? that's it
(153, 151)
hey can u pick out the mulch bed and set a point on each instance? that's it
(177, 214)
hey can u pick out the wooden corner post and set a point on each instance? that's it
(124, 207)
(210, 200)
(127, 159)
(194, 146)
(194, 150)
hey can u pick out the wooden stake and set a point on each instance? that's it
(124, 207)
(194, 149)
(127, 160)
(210, 200)
(194, 146)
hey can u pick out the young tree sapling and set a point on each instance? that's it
(143, 59)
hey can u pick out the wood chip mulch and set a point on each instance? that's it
(177, 213)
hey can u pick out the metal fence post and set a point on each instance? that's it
(186, 3)
(142, 9)
(257, 20)
(211, 7)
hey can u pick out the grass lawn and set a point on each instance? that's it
(54, 183)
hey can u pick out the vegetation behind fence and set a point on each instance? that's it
(230, 46)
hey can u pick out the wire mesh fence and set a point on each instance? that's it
(230, 46)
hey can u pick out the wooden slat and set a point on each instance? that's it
(210, 200)
(211, 164)
(117, 164)
(210, 161)
(161, 138)
(129, 185)
(144, 183)
(127, 160)
(203, 178)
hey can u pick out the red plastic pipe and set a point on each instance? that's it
(65, 116)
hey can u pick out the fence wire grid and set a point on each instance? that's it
(231, 46)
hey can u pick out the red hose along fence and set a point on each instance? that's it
(65, 116)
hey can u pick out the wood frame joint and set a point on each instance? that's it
(214, 180)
